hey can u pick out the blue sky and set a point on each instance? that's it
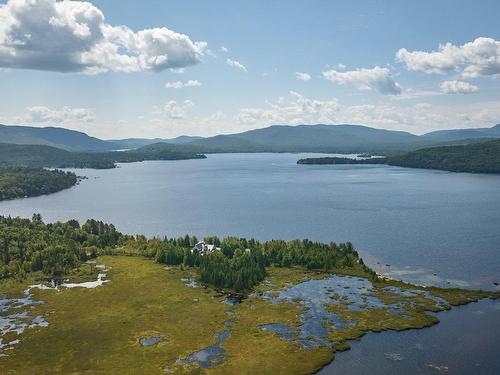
(165, 68)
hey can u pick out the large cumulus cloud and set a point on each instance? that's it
(481, 57)
(73, 36)
(377, 78)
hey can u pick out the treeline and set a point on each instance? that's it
(483, 157)
(480, 157)
(21, 182)
(236, 264)
(31, 245)
(39, 156)
(240, 264)
(241, 272)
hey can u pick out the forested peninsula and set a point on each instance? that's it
(23, 170)
(483, 157)
(236, 264)
(230, 292)
(32, 182)
(39, 156)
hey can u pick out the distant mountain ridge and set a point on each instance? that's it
(65, 139)
(129, 143)
(457, 134)
(72, 140)
(276, 138)
(310, 138)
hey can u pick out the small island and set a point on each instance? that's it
(184, 305)
(481, 157)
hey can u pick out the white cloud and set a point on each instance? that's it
(236, 64)
(421, 117)
(192, 83)
(377, 78)
(224, 49)
(176, 110)
(296, 110)
(480, 57)
(65, 115)
(178, 70)
(415, 118)
(180, 84)
(388, 116)
(210, 53)
(412, 94)
(72, 36)
(458, 87)
(217, 116)
(302, 76)
(174, 85)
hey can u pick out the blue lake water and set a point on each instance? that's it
(420, 225)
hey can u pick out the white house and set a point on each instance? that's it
(204, 248)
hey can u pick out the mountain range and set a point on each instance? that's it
(458, 134)
(66, 139)
(130, 143)
(72, 140)
(276, 138)
(310, 138)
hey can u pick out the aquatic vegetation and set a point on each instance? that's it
(293, 323)
(15, 317)
(16, 313)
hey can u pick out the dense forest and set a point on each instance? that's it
(238, 264)
(22, 182)
(39, 156)
(54, 249)
(482, 157)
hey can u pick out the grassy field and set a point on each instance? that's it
(97, 331)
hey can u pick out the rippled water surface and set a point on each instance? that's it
(420, 225)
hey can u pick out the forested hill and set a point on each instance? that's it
(483, 157)
(131, 143)
(76, 141)
(343, 138)
(22, 182)
(312, 138)
(67, 139)
(459, 134)
(36, 156)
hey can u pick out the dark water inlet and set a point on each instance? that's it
(149, 341)
(210, 356)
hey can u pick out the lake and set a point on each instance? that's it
(423, 226)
